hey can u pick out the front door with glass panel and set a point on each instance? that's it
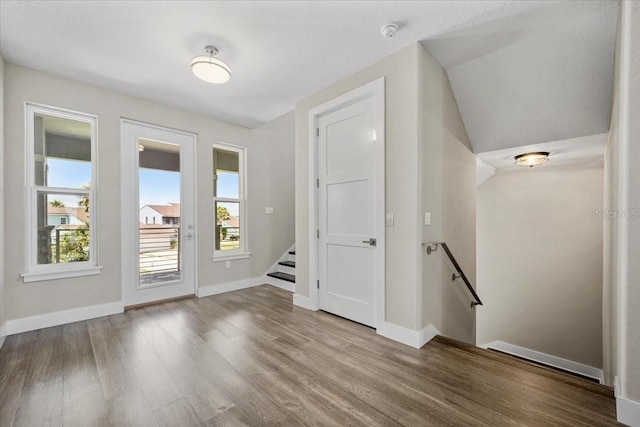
(158, 192)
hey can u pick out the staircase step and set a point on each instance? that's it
(292, 252)
(283, 276)
(291, 264)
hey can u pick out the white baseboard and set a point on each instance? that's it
(282, 284)
(628, 411)
(547, 359)
(48, 320)
(410, 337)
(206, 291)
(305, 302)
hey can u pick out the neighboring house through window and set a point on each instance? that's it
(168, 214)
(229, 198)
(61, 173)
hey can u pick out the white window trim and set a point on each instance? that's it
(243, 252)
(40, 272)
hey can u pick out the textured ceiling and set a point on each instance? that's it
(522, 71)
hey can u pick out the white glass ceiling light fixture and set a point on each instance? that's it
(210, 69)
(532, 159)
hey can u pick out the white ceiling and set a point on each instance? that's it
(522, 71)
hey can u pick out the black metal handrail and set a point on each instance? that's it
(433, 246)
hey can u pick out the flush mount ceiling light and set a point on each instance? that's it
(532, 159)
(210, 69)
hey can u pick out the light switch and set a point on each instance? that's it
(268, 210)
(427, 218)
(389, 220)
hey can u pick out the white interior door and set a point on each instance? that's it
(348, 212)
(158, 213)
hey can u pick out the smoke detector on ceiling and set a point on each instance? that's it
(389, 30)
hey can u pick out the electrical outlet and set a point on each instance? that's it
(390, 220)
(268, 210)
(227, 264)
(427, 218)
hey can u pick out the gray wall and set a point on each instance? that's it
(540, 261)
(2, 233)
(448, 191)
(270, 175)
(429, 168)
(621, 296)
(632, 380)
(402, 240)
(264, 145)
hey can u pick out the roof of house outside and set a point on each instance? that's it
(233, 221)
(171, 210)
(79, 212)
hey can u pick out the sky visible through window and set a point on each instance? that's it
(157, 187)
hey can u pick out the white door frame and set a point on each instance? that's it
(130, 194)
(373, 89)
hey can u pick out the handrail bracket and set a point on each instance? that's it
(432, 247)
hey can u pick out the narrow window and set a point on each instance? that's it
(229, 201)
(61, 147)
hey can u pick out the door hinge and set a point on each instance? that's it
(317, 234)
(317, 131)
(318, 284)
(317, 182)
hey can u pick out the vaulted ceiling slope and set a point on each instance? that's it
(533, 77)
(522, 71)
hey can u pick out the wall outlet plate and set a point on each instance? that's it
(268, 210)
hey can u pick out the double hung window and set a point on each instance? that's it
(229, 192)
(61, 180)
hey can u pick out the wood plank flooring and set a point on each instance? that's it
(250, 358)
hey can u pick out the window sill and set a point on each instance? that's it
(231, 257)
(41, 276)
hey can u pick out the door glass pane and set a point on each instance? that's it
(159, 205)
(63, 228)
(62, 152)
(227, 167)
(227, 225)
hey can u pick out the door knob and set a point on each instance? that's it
(372, 241)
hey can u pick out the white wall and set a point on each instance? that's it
(448, 191)
(621, 302)
(402, 240)
(540, 261)
(2, 234)
(28, 299)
